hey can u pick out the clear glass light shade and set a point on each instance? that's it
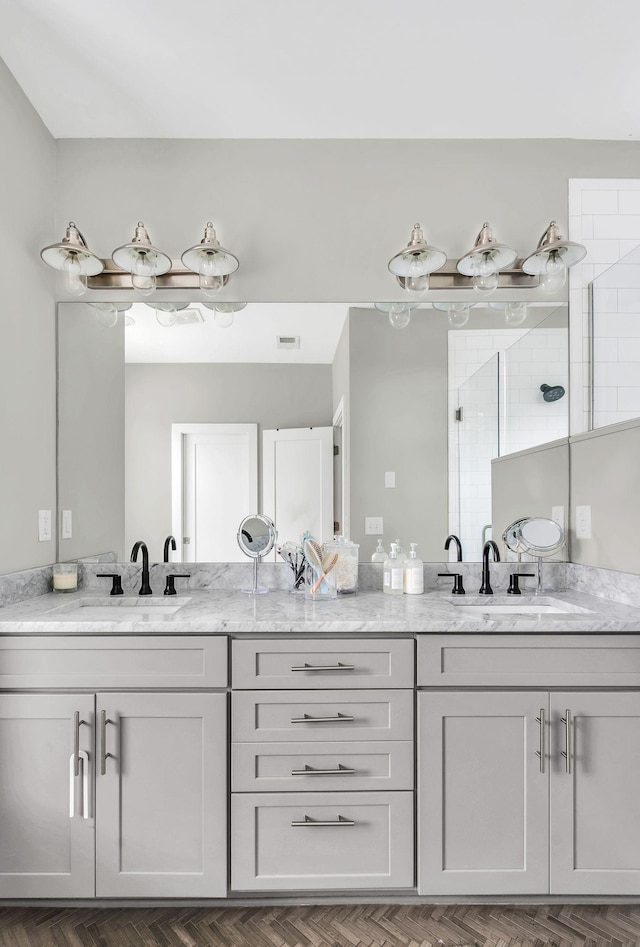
(107, 313)
(223, 319)
(515, 314)
(399, 316)
(553, 278)
(144, 261)
(485, 278)
(415, 286)
(457, 315)
(145, 285)
(74, 281)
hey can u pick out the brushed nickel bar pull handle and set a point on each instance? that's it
(325, 667)
(76, 743)
(314, 822)
(72, 785)
(104, 756)
(568, 751)
(84, 760)
(339, 718)
(308, 771)
(540, 752)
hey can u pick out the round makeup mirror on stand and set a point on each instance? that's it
(537, 536)
(257, 535)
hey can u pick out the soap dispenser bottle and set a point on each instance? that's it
(413, 573)
(393, 581)
(401, 554)
(379, 555)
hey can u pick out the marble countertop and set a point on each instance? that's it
(225, 612)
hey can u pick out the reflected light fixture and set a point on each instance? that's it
(74, 260)
(515, 313)
(211, 262)
(144, 261)
(107, 313)
(399, 313)
(552, 258)
(457, 313)
(223, 313)
(412, 265)
(485, 260)
(166, 312)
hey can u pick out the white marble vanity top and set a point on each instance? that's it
(224, 612)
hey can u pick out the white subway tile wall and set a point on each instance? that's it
(604, 215)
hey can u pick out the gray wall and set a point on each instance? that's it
(398, 422)
(529, 483)
(605, 475)
(156, 396)
(27, 332)
(90, 431)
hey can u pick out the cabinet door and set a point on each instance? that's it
(595, 816)
(483, 800)
(46, 812)
(161, 802)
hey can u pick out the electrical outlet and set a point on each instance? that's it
(583, 522)
(373, 526)
(66, 528)
(390, 478)
(44, 526)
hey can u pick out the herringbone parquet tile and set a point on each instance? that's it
(325, 926)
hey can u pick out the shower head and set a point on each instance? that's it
(552, 392)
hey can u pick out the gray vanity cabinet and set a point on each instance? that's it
(46, 811)
(595, 809)
(161, 795)
(483, 793)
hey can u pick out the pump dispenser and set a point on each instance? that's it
(379, 555)
(393, 582)
(413, 573)
(400, 552)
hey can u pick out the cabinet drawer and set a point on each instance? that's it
(287, 767)
(322, 663)
(321, 716)
(322, 841)
(122, 661)
(524, 660)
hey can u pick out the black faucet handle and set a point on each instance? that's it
(116, 586)
(514, 580)
(458, 588)
(170, 588)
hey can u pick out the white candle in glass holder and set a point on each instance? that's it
(65, 577)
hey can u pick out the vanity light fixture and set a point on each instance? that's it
(399, 313)
(412, 265)
(223, 312)
(485, 260)
(107, 313)
(515, 313)
(211, 262)
(166, 312)
(74, 260)
(144, 261)
(552, 258)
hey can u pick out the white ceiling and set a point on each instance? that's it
(328, 68)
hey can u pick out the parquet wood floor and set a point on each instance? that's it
(324, 926)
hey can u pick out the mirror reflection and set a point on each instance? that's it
(326, 417)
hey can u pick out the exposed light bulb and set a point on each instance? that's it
(143, 277)
(515, 314)
(166, 317)
(74, 282)
(399, 316)
(223, 319)
(457, 315)
(554, 275)
(416, 286)
(210, 279)
(485, 275)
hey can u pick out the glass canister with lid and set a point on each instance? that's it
(346, 568)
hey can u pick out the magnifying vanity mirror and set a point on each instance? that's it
(257, 536)
(535, 536)
(323, 416)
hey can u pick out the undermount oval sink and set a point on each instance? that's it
(119, 609)
(508, 609)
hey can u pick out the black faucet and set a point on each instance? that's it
(449, 540)
(169, 541)
(145, 588)
(485, 588)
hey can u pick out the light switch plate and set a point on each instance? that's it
(390, 478)
(44, 526)
(583, 522)
(66, 528)
(373, 526)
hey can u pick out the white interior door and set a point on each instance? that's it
(214, 486)
(297, 481)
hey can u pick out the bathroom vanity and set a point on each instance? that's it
(231, 747)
